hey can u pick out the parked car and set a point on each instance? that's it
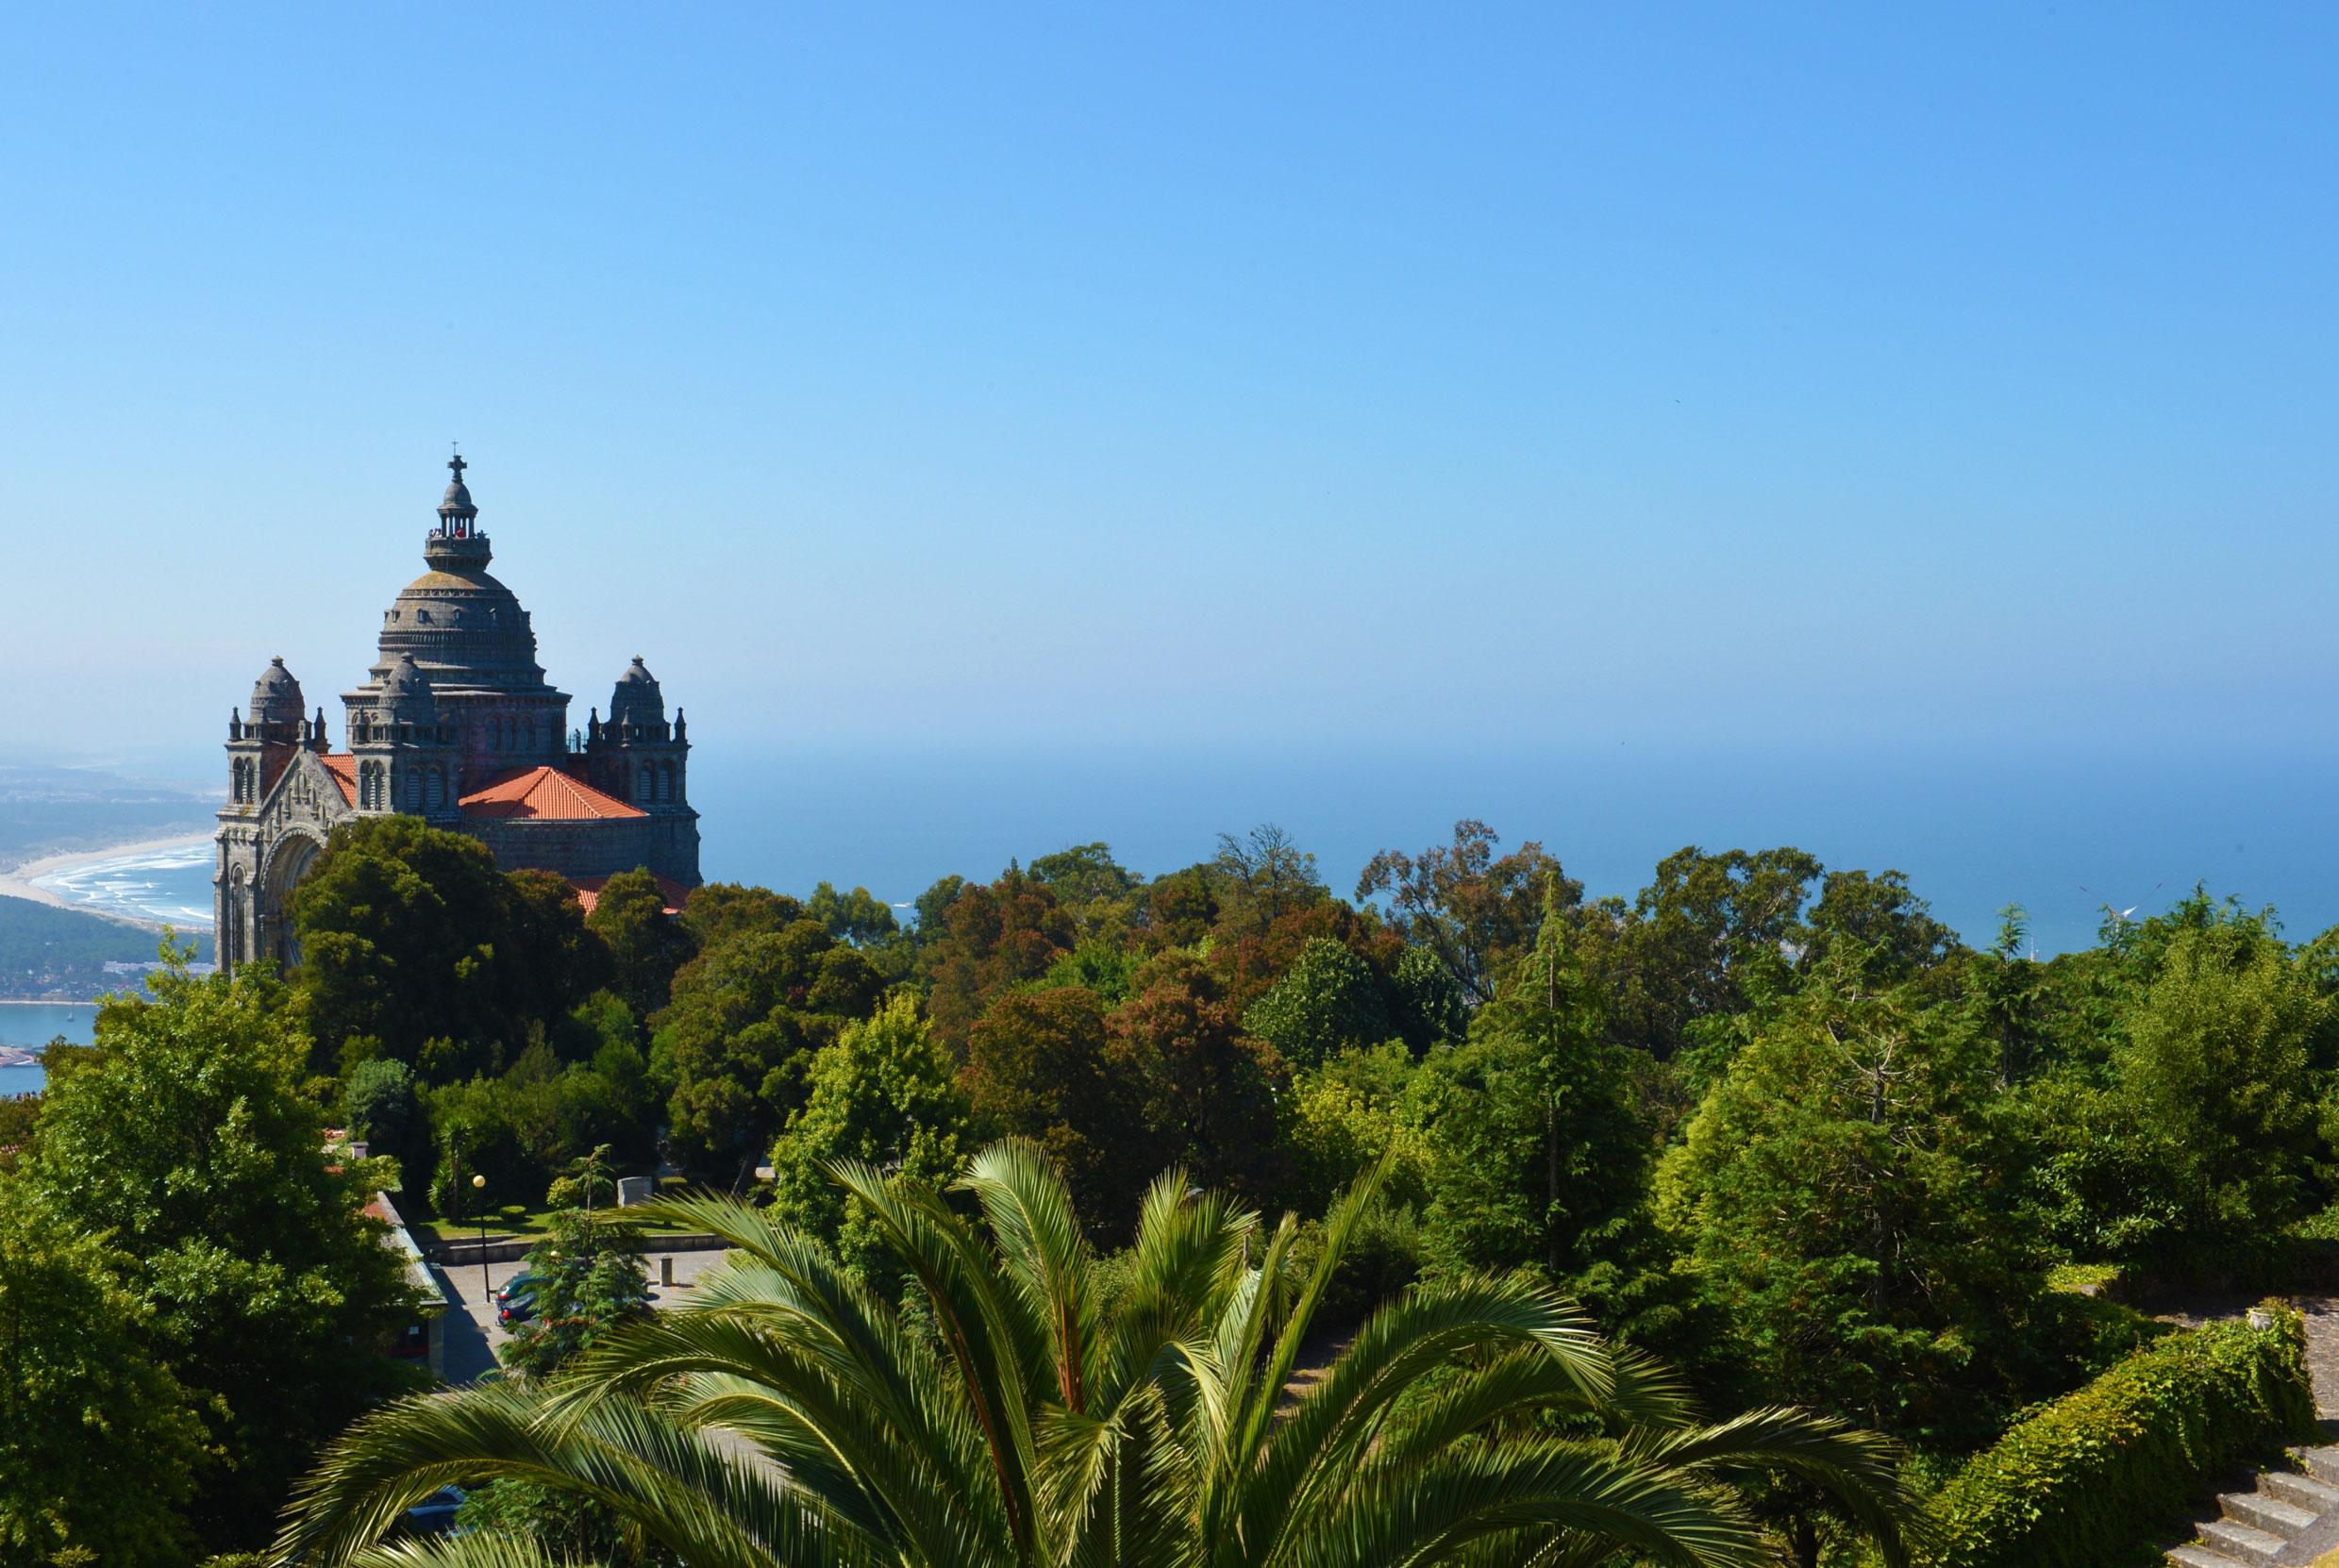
(519, 1309)
(519, 1284)
(435, 1514)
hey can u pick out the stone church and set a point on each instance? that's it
(455, 724)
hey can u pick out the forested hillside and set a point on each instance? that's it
(47, 952)
(1768, 1122)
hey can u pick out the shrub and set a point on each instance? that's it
(2103, 1464)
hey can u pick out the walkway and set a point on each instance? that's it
(2292, 1516)
(472, 1334)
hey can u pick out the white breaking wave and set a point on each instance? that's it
(168, 886)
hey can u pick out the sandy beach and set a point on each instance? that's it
(18, 883)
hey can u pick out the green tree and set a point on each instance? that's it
(1347, 1116)
(1537, 1153)
(99, 1442)
(590, 1280)
(382, 1109)
(1260, 877)
(1699, 943)
(1470, 907)
(549, 960)
(2215, 1076)
(1328, 1000)
(746, 1016)
(883, 1093)
(719, 911)
(1880, 924)
(931, 908)
(400, 925)
(1036, 1070)
(993, 937)
(1098, 894)
(1049, 1421)
(184, 1136)
(1200, 1093)
(856, 917)
(1846, 1200)
(645, 944)
(1425, 1004)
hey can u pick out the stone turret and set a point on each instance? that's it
(261, 747)
(634, 754)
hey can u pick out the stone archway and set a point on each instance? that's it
(288, 861)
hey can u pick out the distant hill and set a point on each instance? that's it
(52, 810)
(62, 955)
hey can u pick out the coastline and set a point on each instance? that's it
(17, 882)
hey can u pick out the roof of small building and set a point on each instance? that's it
(589, 892)
(545, 792)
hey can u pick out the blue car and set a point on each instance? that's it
(435, 1514)
(517, 1308)
(519, 1284)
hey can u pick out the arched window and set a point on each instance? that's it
(666, 781)
(414, 790)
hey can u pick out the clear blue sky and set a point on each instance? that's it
(1266, 376)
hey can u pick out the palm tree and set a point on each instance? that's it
(1010, 1416)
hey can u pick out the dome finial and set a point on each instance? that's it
(457, 517)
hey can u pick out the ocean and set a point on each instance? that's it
(2063, 832)
(170, 886)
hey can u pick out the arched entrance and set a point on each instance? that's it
(288, 863)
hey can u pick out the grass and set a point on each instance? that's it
(2083, 1278)
(529, 1223)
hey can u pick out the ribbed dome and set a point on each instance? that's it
(276, 696)
(463, 627)
(637, 699)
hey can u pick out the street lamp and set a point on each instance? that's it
(478, 1184)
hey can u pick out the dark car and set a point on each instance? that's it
(519, 1284)
(435, 1514)
(517, 1308)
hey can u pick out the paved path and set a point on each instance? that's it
(472, 1333)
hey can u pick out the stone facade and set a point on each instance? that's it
(457, 724)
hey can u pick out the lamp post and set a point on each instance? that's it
(478, 1184)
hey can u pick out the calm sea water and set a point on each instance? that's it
(2064, 833)
(33, 1025)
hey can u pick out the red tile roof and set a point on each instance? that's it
(343, 768)
(589, 892)
(547, 793)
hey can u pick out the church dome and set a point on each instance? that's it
(405, 694)
(276, 696)
(637, 699)
(456, 622)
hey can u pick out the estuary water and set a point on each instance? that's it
(29, 1025)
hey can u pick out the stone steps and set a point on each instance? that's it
(2271, 1527)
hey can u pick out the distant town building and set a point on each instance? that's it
(456, 724)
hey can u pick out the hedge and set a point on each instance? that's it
(2106, 1465)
